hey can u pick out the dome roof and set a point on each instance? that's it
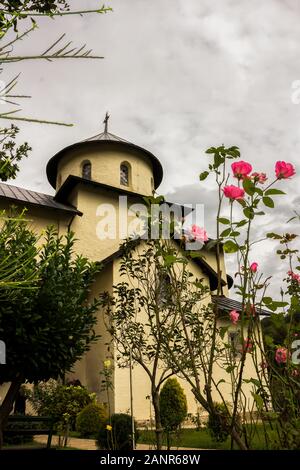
(102, 139)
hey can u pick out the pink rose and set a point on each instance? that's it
(259, 177)
(284, 170)
(234, 316)
(253, 267)
(281, 355)
(233, 192)
(198, 234)
(241, 169)
(294, 276)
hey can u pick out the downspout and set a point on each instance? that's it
(70, 223)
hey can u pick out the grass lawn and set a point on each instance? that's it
(200, 439)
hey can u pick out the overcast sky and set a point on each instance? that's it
(178, 76)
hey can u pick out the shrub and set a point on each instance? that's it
(119, 437)
(90, 419)
(173, 405)
(219, 423)
(60, 401)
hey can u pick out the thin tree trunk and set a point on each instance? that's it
(158, 427)
(168, 441)
(8, 404)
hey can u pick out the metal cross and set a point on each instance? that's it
(105, 122)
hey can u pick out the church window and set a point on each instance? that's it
(235, 343)
(124, 174)
(87, 170)
(152, 184)
(163, 290)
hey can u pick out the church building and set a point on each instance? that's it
(87, 175)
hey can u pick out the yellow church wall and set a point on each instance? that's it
(105, 163)
(87, 227)
(141, 381)
(89, 369)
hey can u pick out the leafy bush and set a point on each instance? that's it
(90, 419)
(118, 435)
(219, 423)
(173, 405)
(61, 402)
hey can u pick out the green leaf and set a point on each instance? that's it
(242, 202)
(218, 160)
(225, 233)
(230, 247)
(242, 223)
(258, 400)
(211, 150)
(169, 260)
(267, 300)
(280, 304)
(249, 212)
(249, 186)
(203, 175)
(268, 202)
(274, 235)
(274, 191)
(259, 191)
(223, 220)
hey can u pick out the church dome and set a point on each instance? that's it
(102, 153)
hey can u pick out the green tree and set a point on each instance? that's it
(138, 314)
(47, 328)
(90, 419)
(173, 407)
(61, 402)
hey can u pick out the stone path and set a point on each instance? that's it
(89, 444)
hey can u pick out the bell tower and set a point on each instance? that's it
(108, 159)
(92, 174)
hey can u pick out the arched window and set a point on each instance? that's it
(124, 174)
(163, 290)
(87, 170)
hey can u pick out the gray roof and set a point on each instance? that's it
(108, 136)
(33, 198)
(102, 139)
(224, 303)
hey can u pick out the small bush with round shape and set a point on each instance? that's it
(90, 419)
(173, 405)
(118, 434)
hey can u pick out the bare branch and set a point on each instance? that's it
(39, 121)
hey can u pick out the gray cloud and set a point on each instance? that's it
(177, 78)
